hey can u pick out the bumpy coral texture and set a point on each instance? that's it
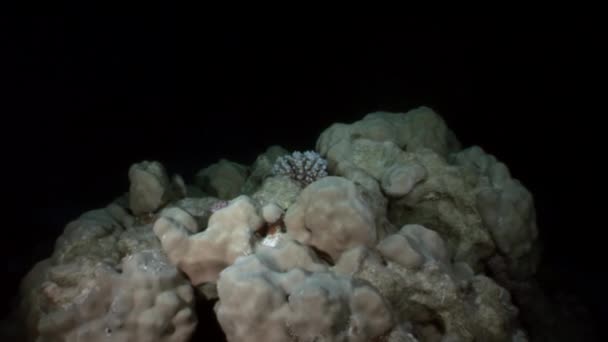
(397, 245)
(287, 294)
(332, 215)
(107, 281)
(202, 256)
(304, 167)
(148, 301)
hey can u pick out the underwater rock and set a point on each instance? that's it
(399, 180)
(419, 128)
(506, 208)
(262, 168)
(199, 208)
(223, 179)
(446, 203)
(150, 187)
(438, 299)
(280, 190)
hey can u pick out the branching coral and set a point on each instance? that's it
(304, 167)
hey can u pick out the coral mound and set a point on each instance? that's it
(386, 232)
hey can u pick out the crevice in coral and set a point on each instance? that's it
(323, 256)
(208, 328)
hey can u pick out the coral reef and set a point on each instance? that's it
(388, 231)
(106, 282)
(300, 297)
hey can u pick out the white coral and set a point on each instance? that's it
(304, 167)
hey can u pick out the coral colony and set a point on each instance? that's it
(304, 168)
(382, 232)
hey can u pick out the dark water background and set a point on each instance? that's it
(88, 95)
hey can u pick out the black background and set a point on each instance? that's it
(88, 94)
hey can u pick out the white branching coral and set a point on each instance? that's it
(304, 167)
